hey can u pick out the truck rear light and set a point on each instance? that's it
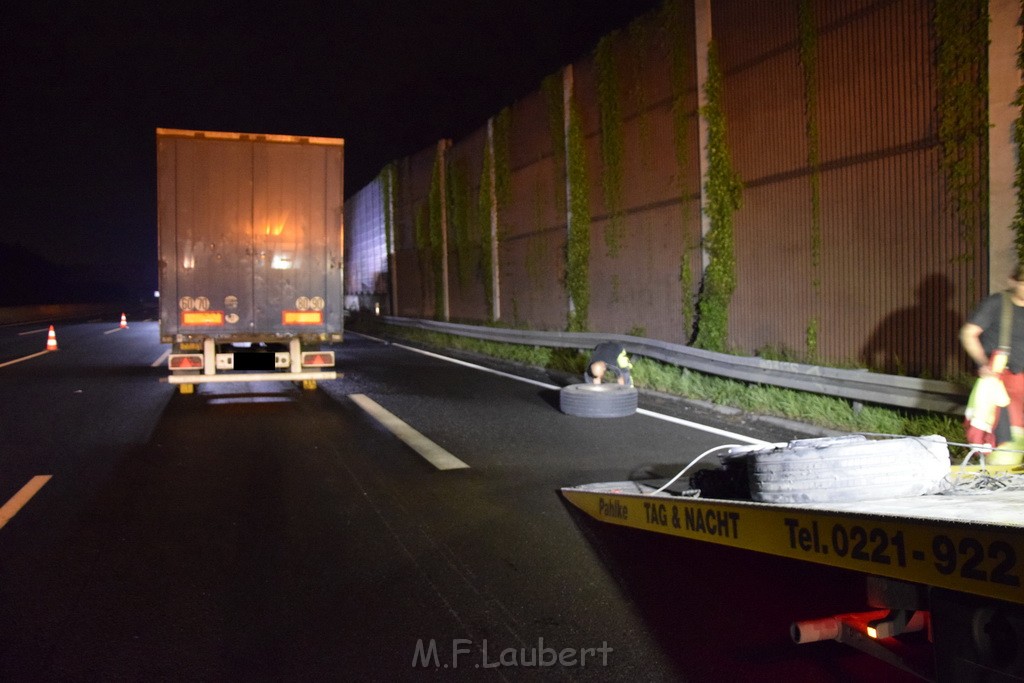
(317, 359)
(185, 361)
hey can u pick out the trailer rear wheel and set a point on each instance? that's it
(598, 400)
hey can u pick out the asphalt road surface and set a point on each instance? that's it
(262, 532)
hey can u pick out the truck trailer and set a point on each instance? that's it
(250, 231)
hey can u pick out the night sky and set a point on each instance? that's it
(83, 86)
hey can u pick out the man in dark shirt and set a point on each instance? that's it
(1001, 355)
(608, 357)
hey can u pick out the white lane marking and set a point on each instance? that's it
(11, 507)
(641, 411)
(160, 361)
(703, 428)
(116, 329)
(18, 360)
(434, 454)
(478, 367)
(41, 329)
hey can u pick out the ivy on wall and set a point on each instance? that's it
(460, 223)
(686, 286)
(812, 334)
(961, 31)
(502, 166)
(577, 260)
(1018, 139)
(388, 179)
(578, 248)
(680, 68)
(611, 137)
(495, 163)
(808, 50)
(433, 243)
(421, 230)
(723, 192)
(809, 62)
(640, 51)
(485, 200)
(552, 87)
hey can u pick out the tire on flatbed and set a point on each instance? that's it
(847, 469)
(598, 400)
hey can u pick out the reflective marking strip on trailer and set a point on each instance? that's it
(302, 317)
(984, 559)
(227, 378)
(434, 454)
(214, 318)
(11, 507)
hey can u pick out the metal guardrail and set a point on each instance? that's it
(855, 385)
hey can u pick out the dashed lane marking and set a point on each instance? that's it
(431, 452)
(18, 360)
(11, 507)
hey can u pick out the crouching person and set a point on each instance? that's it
(608, 357)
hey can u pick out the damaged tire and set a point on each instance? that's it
(847, 469)
(598, 400)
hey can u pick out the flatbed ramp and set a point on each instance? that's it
(968, 542)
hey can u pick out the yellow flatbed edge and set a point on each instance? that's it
(972, 543)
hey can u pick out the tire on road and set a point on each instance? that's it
(845, 470)
(598, 400)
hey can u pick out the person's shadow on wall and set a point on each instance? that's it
(919, 341)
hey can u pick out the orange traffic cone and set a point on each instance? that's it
(51, 340)
(124, 321)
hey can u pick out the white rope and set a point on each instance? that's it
(692, 463)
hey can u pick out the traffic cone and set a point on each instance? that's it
(51, 340)
(124, 321)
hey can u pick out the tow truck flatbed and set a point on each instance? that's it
(967, 542)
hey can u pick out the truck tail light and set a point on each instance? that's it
(317, 359)
(185, 361)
